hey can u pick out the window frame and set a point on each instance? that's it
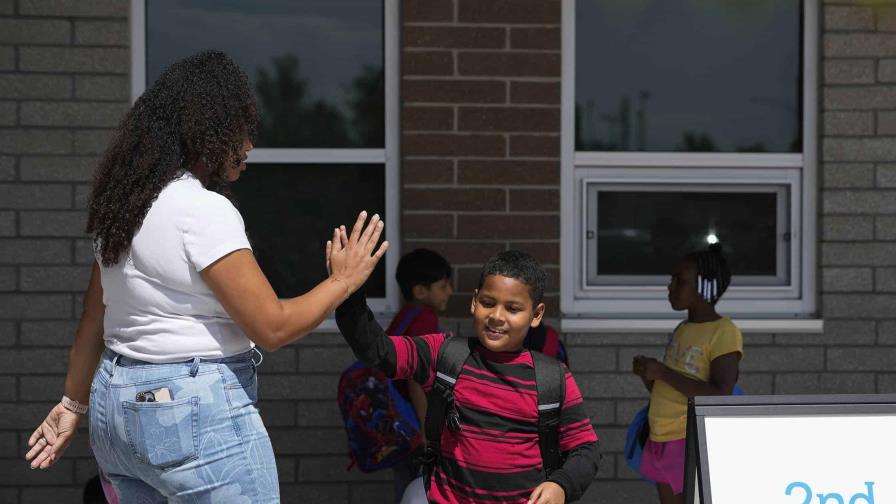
(632, 300)
(388, 157)
(756, 168)
(783, 190)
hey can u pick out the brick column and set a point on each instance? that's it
(481, 133)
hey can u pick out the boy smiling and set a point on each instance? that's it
(494, 455)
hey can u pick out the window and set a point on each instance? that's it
(686, 123)
(324, 74)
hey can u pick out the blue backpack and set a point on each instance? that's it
(381, 425)
(638, 433)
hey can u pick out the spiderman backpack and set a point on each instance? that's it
(381, 425)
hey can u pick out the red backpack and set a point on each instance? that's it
(381, 425)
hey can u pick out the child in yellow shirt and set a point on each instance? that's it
(702, 358)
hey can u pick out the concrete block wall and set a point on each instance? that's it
(858, 160)
(480, 173)
(63, 87)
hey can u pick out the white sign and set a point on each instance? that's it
(802, 459)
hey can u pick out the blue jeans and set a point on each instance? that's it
(207, 445)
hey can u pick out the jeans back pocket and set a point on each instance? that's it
(163, 434)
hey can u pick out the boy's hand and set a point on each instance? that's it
(351, 258)
(548, 493)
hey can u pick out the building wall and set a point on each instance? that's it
(63, 86)
(480, 173)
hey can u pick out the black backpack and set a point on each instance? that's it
(550, 380)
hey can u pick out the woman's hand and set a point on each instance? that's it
(351, 257)
(52, 437)
(548, 493)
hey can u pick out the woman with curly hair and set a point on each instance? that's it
(176, 302)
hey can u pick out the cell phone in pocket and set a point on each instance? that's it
(158, 395)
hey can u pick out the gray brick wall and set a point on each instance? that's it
(858, 286)
(64, 84)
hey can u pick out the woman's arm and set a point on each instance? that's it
(55, 433)
(88, 344)
(245, 293)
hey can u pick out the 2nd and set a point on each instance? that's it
(831, 498)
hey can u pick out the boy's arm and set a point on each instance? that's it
(578, 470)
(365, 335)
(397, 356)
(418, 400)
(578, 443)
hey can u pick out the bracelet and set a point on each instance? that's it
(73, 406)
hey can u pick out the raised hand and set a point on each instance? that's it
(52, 437)
(352, 257)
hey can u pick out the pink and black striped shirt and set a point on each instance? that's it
(495, 456)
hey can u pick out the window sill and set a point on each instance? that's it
(329, 324)
(777, 326)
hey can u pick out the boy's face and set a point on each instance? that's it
(435, 296)
(683, 286)
(503, 312)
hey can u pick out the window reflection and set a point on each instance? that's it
(290, 211)
(643, 233)
(316, 66)
(688, 75)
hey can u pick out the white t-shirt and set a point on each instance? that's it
(158, 307)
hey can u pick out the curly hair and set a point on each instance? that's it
(195, 117)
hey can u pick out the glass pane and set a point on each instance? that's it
(688, 75)
(640, 234)
(316, 66)
(290, 211)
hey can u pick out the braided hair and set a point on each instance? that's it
(713, 275)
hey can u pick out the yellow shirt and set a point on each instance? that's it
(690, 350)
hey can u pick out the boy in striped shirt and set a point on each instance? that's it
(495, 455)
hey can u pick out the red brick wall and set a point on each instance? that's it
(480, 171)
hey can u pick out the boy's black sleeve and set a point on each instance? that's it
(365, 335)
(578, 470)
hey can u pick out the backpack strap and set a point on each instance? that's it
(551, 345)
(452, 355)
(550, 380)
(406, 320)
